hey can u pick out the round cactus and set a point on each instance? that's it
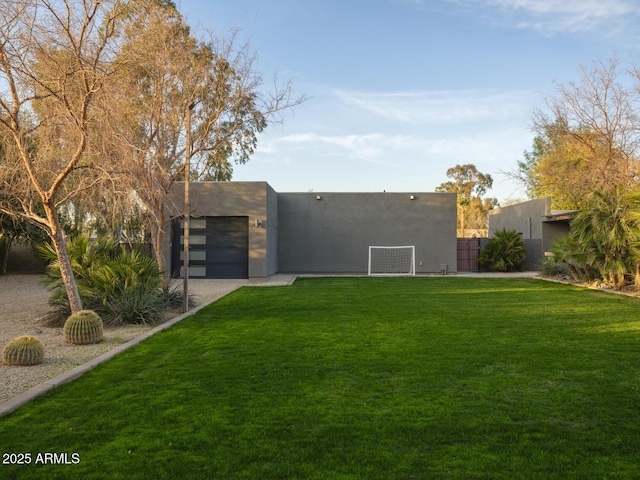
(24, 350)
(83, 327)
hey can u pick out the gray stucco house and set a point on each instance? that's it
(248, 230)
(536, 222)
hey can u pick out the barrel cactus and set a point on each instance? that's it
(83, 328)
(24, 350)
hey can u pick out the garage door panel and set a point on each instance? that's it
(220, 251)
(223, 271)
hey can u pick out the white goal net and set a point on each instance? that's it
(392, 260)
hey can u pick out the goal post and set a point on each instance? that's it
(392, 260)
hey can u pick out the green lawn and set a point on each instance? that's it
(342, 378)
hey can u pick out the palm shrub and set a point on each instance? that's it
(556, 264)
(504, 252)
(605, 239)
(566, 259)
(633, 218)
(131, 284)
(121, 286)
(84, 257)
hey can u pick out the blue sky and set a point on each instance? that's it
(401, 90)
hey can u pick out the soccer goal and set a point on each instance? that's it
(392, 260)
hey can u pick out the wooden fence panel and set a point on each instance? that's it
(468, 251)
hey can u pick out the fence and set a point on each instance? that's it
(468, 251)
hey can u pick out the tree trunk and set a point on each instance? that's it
(5, 249)
(462, 220)
(157, 237)
(59, 244)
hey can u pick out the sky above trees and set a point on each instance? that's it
(402, 90)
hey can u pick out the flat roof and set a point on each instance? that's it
(560, 215)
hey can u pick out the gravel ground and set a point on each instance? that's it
(23, 303)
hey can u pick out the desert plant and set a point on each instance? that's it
(24, 350)
(127, 289)
(556, 263)
(121, 286)
(552, 267)
(568, 258)
(605, 238)
(83, 328)
(504, 252)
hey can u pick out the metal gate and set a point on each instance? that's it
(468, 251)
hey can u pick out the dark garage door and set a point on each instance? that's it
(218, 247)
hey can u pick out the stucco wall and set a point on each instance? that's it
(528, 219)
(525, 218)
(551, 231)
(332, 234)
(272, 231)
(257, 200)
(296, 233)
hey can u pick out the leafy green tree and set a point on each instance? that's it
(504, 252)
(587, 138)
(567, 169)
(477, 216)
(469, 184)
(170, 75)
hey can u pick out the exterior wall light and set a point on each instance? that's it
(412, 197)
(318, 197)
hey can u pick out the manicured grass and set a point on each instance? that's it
(360, 379)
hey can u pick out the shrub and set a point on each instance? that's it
(553, 268)
(83, 328)
(128, 288)
(556, 263)
(504, 252)
(121, 286)
(24, 350)
(604, 239)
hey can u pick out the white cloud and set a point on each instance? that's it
(391, 128)
(470, 147)
(581, 8)
(438, 107)
(395, 141)
(551, 16)
(373, 147)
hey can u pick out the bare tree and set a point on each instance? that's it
(588, 136)
(171, 73)
(56, 56)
